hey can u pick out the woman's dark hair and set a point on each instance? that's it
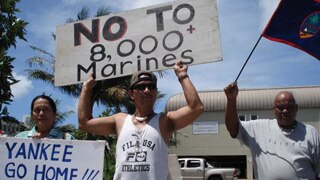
(51, 102)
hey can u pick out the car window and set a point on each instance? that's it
(193, 163)
(181, 162)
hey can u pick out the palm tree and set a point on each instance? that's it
(61, 116)
(84, 14)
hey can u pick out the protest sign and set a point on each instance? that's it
(149, 38)
(23, 158)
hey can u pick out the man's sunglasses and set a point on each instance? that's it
(142, 87)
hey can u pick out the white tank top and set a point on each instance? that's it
(141, 154)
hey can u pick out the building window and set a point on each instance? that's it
(253, 117)
(242, 117)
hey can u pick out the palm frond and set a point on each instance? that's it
(53, 35)
(62, 116)
(67, 128)
(118, 93)
(102, 11)
(39, 62)
(83, 14)
(40, 75)
(41, 51)
(70, 20)
(71, 90)
(35, 61)
(161, 73)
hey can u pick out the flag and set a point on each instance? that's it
(296, 23)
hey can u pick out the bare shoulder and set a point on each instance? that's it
(119, 121)
(113, 117)
(120, 117)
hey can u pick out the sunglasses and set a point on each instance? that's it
(142, 87)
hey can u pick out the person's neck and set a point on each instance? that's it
(143, 111)
(44, 132)
(143, 116)
(289, 127)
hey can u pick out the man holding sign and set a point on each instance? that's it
(141, 151)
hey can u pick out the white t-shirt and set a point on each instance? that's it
(277, 155)
(141, 154)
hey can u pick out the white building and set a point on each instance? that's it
(9, 126)
(208, 137)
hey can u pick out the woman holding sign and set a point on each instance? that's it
(43, 113)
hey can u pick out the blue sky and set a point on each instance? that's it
(241, 23)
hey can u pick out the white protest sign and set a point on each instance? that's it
(23, 158)
(149, 39)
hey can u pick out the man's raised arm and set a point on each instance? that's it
(231, 115)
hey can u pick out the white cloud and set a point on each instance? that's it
(22, 88)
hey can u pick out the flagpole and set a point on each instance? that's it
(248, 58)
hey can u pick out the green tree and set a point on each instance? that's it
(61, 116)
(11, 28)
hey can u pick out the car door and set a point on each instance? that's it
(191, 169)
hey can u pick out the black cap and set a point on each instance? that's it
(142, 76)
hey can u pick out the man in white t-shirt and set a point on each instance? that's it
(281, 148)
(141, 151)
